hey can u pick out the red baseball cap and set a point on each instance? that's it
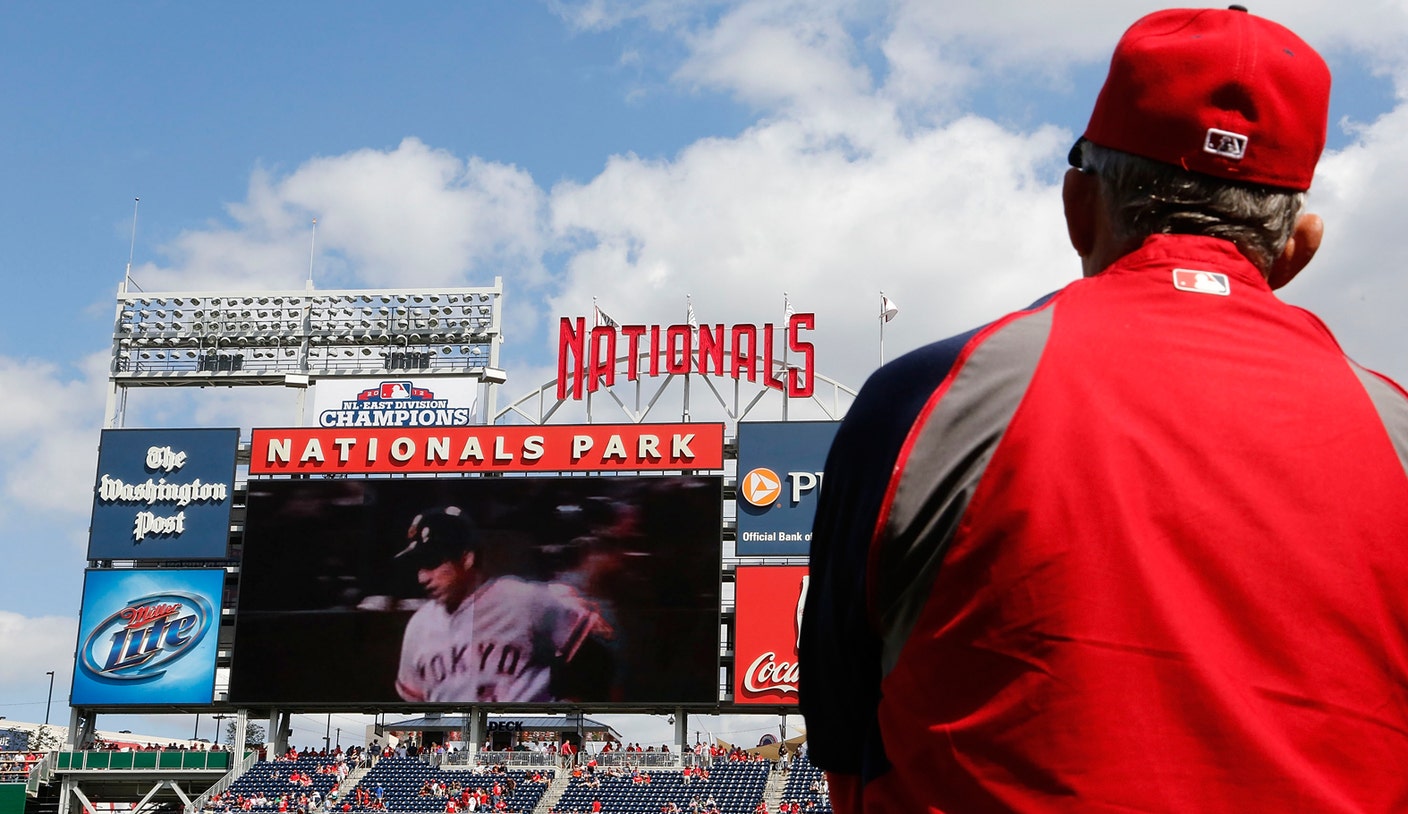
(1219, 92)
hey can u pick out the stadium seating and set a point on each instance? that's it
(733, 787)
(402, 778)
(270, 779)
(805, 785)
(736, 787)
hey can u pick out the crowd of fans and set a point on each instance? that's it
(16, 766)
(311, 781)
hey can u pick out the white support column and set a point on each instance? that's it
(681, 734)
(478, 722)
(241, 724)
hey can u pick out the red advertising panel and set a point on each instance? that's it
(539, 448)
(769, 615)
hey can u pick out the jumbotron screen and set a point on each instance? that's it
(519, 591)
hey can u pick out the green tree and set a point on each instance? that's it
(45, 739)
(253, 733)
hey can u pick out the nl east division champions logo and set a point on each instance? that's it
(397, 404)
(761, 487)
(139, 642)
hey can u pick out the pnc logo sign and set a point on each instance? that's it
(761, 487)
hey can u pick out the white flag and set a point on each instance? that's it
(787, 309)
(888, 309)
(603, 319)
(689, 314)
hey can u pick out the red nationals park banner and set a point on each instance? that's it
(769, 614)
(434, 450)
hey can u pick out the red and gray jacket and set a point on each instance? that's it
(1140, 547)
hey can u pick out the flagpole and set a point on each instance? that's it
(888, 310)
(786, 319)
(882, 329)
(596, 323)
(312, 244)
(688, 317)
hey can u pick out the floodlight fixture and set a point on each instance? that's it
(205, 338)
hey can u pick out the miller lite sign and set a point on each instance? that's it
(769, 601)
(147, 637)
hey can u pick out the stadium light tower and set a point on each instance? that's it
(50, 705)
(287, 338)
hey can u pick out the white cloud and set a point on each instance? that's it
(955, 223)
(29, 647)
(47, 438)
(775, 57)
(412, 215)
(1356, 283)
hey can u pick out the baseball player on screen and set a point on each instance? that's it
(485, 638)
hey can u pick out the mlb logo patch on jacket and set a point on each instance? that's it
(1201, 282)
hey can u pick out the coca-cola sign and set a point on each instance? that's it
(769, 616)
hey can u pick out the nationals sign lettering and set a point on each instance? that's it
(587, 357)
(540, 448)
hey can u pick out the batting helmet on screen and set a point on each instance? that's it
(438, 535)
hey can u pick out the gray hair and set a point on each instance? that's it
(1148, 197)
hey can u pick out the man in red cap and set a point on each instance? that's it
(1140, 546)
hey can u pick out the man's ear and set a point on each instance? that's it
(1302, 246)
(1079, 194)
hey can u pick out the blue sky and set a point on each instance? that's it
(637, 152)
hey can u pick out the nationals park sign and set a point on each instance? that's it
(586, 358)
(437, 450)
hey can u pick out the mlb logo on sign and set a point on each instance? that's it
(395, 391)
(1201, 282)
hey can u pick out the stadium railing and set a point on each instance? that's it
(40, 774)
(158, 759)
(199, 803)
(512, 760)
(550, 760)
(645, 760)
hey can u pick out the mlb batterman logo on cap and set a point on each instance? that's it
(1220, 92)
